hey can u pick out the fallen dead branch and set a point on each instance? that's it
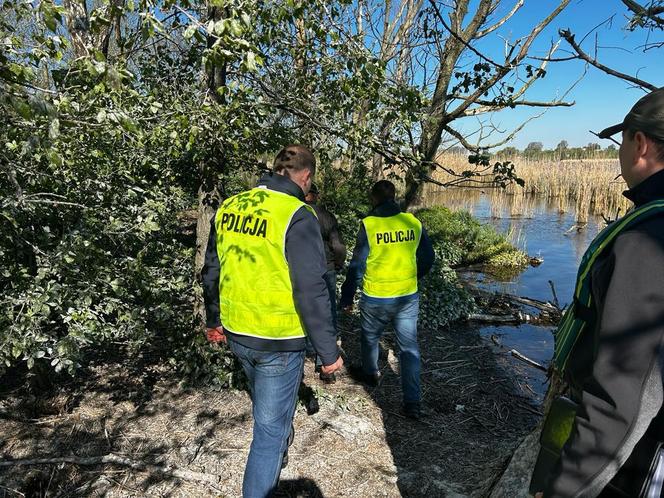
(481, 317)
(518, 355)
(540, 305)
(113, 459)
(507, 308)
(527, 360)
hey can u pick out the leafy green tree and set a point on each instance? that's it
(116, 147)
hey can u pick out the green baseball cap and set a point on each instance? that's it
(647, 116)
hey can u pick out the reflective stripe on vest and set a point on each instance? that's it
(392, 263)
(255, 290)
(578, 314)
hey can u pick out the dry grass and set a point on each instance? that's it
(358, 445)
(583, 186)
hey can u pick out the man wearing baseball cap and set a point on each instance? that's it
(609, 347)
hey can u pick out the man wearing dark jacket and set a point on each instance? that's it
(265, 291)
(391, 253)
(615, 365)
(335, 256)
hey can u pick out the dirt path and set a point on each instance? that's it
(357, 445)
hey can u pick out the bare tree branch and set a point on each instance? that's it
(477, 147)
(508, 16)
(489, 106)
(492, 106)
(554, 59)
(650, 13)
(461, 39)
(504, 70)
(569, 37)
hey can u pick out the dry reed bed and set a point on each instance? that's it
(584, 186)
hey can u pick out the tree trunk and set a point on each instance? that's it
(77, 19)
(78, 25)
(208, 200)
(208, 191)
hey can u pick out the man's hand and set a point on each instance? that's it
(328, 369)
(216, 335)
(539, 495)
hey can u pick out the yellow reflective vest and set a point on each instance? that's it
(255, 290)
(392, 263)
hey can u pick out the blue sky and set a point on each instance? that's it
(601, 100)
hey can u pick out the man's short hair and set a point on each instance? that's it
(294, 157)
(383, 191)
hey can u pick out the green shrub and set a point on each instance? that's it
(460, 240)
(443, 299)
(346, 196)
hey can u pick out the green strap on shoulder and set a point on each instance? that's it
(574, 320)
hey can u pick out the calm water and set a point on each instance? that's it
(543, 232)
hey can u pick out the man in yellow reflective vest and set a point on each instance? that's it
(265, 292)
(392, 251)
(614, 367)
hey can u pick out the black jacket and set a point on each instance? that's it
(306, 263)
(616, 372)
(335, 249)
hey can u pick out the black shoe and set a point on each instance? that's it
(284, 460)
(412, 410)
(358, 373)
(313, 407)
(307, 397)
(328, 378)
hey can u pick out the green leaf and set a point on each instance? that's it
(128, 124)
(54, 129)
(190, 31)
(236, 28)
(219, 27)
(22, 107)
(50, 21)
(246, 19)
(250, 62)
(55, 158)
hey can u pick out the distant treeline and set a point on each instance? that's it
(562, 151)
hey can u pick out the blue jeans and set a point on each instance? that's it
(274, 378)
(402, 313)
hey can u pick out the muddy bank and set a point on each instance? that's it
(358, 444)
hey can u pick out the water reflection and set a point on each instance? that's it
(541, 229)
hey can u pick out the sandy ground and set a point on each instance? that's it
(358, 445)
